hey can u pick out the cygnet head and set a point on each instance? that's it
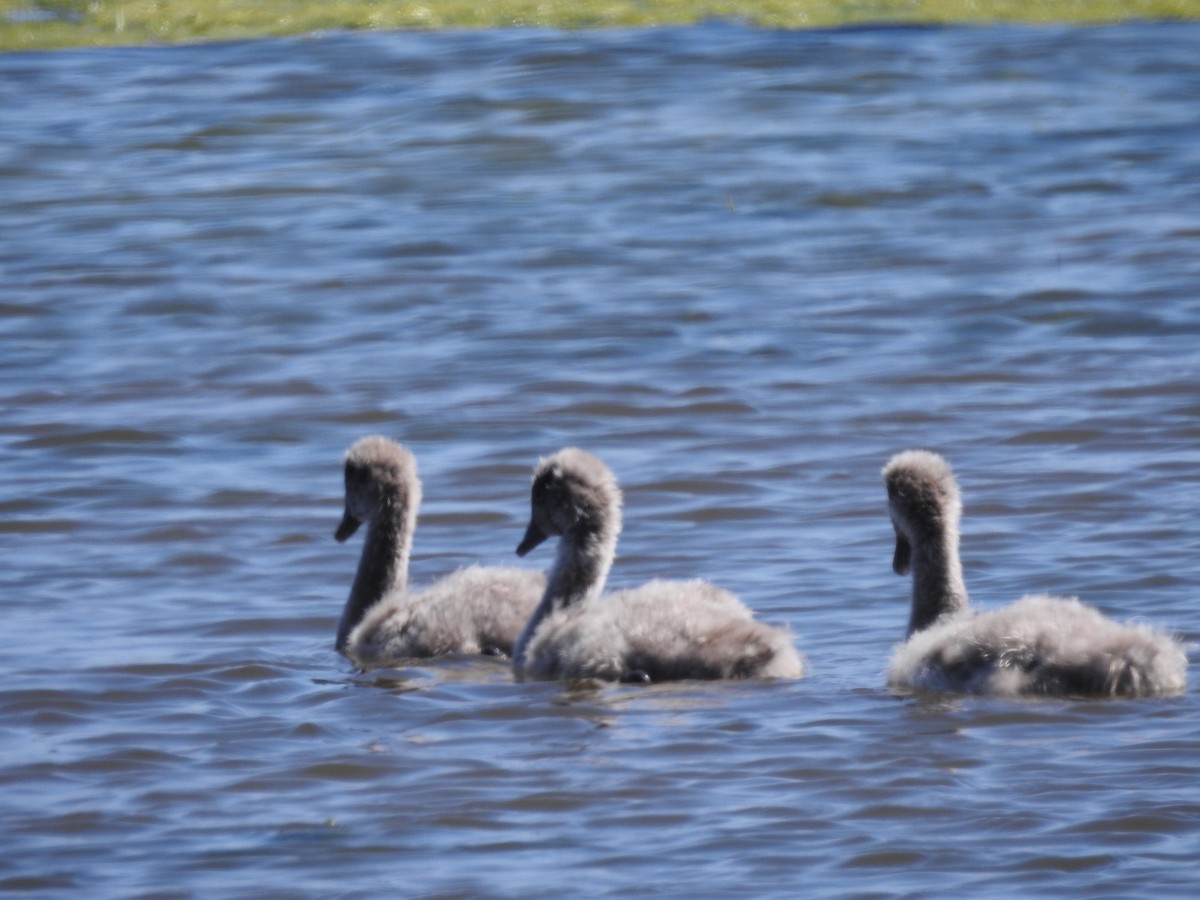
(924, 503)
(381, 481)
(574, 495)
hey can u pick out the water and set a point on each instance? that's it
(745, 268)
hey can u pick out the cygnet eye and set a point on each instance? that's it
(544, 489)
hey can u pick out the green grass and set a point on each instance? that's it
(46, 24)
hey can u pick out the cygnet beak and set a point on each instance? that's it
(533, 537)
(903, 555)
(348, 526)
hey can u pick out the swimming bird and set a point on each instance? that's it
(1040, 645)
(473, 610)
(664, 630)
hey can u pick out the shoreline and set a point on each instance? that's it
(34, 25)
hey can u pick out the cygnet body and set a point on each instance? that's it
(664, 630)
(473, 610)
(1039, 646)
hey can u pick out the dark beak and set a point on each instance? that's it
(348, 526)
(903, 556)
(533, 537)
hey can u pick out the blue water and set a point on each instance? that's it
(744, 267)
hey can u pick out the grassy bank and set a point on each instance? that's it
(45, 24)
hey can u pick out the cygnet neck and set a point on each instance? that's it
(581, 565)
(938, 586)
(383, 566)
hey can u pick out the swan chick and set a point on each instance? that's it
(664, 630)
(1038, 646)
(474, 610)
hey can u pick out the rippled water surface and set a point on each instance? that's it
(745, 268)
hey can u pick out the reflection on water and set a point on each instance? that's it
(745, 267)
